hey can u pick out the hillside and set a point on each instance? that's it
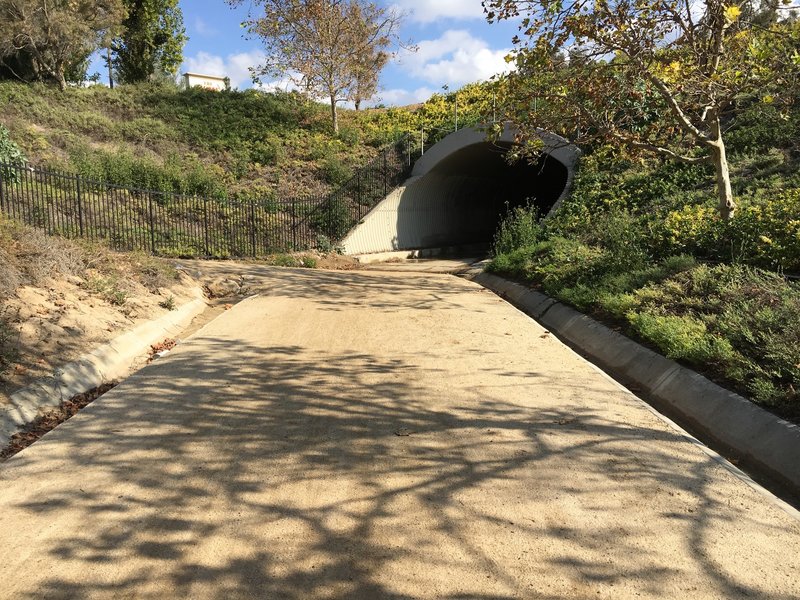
(232, 144)
(237, 144)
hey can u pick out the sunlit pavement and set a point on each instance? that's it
(378, 434)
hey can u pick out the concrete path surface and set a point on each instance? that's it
(381, 435)
(425, 265)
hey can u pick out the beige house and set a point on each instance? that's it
(208, 82)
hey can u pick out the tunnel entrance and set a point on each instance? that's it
(459, 192)
(495, 186)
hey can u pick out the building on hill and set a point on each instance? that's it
(208, 82)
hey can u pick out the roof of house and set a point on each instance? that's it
(204, 76)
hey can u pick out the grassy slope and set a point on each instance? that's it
(229, 144)
(236, 143)
(640, 246)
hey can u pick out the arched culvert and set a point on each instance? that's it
(458, 192)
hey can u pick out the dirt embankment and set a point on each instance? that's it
(60, 300)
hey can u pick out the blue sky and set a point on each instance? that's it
(456, 46)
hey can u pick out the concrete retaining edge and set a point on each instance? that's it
(110, 361)
(756, 437)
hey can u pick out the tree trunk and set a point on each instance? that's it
(62, 82)
(110, 68)
(726, 204)
(334, 115)
(357, 103)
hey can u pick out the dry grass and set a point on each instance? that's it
(28, 256)
(8, 346)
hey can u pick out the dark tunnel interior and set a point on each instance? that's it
(517, 184)
(463, 198)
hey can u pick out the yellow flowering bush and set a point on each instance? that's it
(764, 232)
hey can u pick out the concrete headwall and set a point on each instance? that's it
(458, 192)
(425, 212)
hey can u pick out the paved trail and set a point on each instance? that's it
(381, 435)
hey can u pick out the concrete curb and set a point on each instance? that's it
(757, 437)
(110, 361)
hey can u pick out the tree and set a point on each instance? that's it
(331, 48)
(56, 34)
(368, 68)
(368, 65)
(152, 40)
(19, 65)
(659, 76)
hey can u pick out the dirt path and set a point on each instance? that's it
(380, 435)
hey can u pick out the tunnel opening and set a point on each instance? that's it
(459, 192)
(496, 186)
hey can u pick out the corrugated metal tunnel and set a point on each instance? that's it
(458, 192)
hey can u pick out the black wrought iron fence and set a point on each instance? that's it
(170, 224)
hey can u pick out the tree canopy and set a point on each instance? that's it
(51, 36)
(151, 41)
(331, 48)
(656, 75)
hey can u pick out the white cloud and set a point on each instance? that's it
(287, 83)
(401, 97)
(456, 58)
(428, 11)
(234, 66)
(202, 28)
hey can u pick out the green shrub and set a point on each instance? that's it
(764, 232)
(752, 311)
(265, 152)
(283, 260)
(168, 303)
(332, 219)
(624, 235)
(9, 154)
(109, 288)
(291, 260)
(182, 175)
(517, 263)
(520, 228)
(682, 337)
(763, 126)
(324, 244)
(144, 129)
(349, 135)
(335, 171)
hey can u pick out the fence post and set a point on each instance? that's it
(152, 223)
(80, 204)
(253, 227)
(294, 224)
(205, 226)
(385, 176)
(3, 169)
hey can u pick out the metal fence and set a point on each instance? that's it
(171, 224)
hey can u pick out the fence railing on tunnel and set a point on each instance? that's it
(173, 224)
